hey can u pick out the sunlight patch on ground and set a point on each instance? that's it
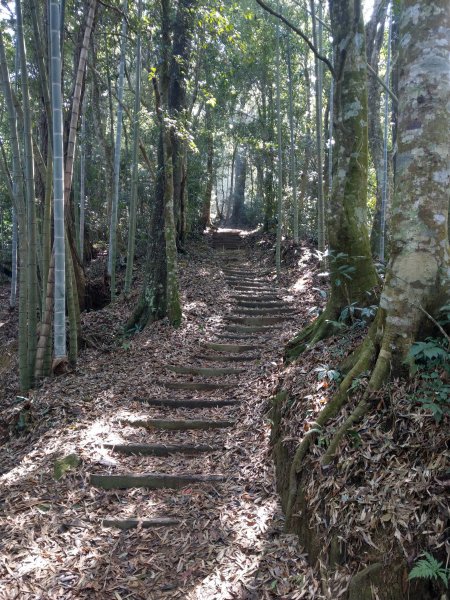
(239, 563)
(30, 462)
(300, 284)
(32, 561)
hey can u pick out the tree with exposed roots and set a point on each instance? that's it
(353, 278)
(417, 280)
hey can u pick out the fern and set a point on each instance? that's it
(430, 568)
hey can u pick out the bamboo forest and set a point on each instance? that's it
(224, 299)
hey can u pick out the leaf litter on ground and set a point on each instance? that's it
(230, 541)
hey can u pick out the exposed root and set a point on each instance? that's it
(150, 308)
(365, 358)
(316, 331)
(377, 379)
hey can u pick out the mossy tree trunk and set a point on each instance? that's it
(160, 294)
(418, 276)
(152, 304)
(205, 217)
(352, 274)
(183, 28)
(417, 280)
(374, 42)
(239, 187)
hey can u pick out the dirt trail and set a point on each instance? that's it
(174, 496)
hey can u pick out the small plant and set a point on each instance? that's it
(354, 438)
(357, 382)
(429, 361)
(430, 568)
(325, 372)
(358, 314)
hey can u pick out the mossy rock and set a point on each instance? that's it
(63, 465)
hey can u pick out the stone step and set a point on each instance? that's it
(153, 481)
(141, 523)
(187, 402)
(247, 297)
(262, 304)
(195, 386)
(237, 336)
(232, 272)
(251, 328)
(205, 371)
(219, 358)
(258, 320)
(248, 279)
(264, 312)
(254, 288)
(160, 449)
(252, 285)
(177, 424)
(231, 347)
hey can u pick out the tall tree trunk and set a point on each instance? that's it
(417, 281)
(59, 319)
(115, 201)
(374, 43)
(152, 304)
(280, 157)
(292, 162)
(317, 39)
(239, 188)
(77, 97)
(178, 107)
(269, 156)
(134, 159)
(352, 273)
(206, 206)
(32, 284)
(82, 185)
(170, 226)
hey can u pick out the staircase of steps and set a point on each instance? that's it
(226, 240)
(218, 366)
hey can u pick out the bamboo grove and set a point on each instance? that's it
(127, 127)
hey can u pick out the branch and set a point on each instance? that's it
(300, 33)
(381, 82)
(327, 27)
(433, 320)
(115, 9)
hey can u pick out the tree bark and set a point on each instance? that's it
(178, 108)
(352, 273)
(239, 188)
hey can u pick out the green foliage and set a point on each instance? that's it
(429, 361)
(325, 372)
(357, 382)
(354, 438)
(430, 568)
(355, 313)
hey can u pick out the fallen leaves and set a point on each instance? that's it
(229, 542)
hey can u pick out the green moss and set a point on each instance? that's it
(63, 465)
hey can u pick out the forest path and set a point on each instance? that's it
(243, 323)
(171, 431)
(195, 445)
